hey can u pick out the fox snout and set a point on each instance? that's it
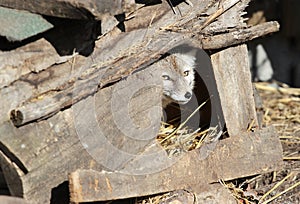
(178, 89)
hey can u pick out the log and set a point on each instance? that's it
(239, 36)
(66, 117)
(186, 172)
(97, 75)
(75, 9)
(92, 131)
(32, 58)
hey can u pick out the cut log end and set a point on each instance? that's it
(75, 187)
(16, 117)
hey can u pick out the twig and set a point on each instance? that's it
(182, 124)
(276, 186)
(283, 192)
(227, 4)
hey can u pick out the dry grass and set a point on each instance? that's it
(176, 140)
(282, 110)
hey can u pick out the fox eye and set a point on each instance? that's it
(186, 73)
(166, 77)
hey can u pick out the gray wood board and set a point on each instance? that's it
(236, 157)
(84, 136)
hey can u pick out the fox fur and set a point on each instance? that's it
(178, 78)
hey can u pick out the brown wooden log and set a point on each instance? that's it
(249, 154)
(89, 82)
(75, 9)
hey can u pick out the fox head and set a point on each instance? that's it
(178, 78)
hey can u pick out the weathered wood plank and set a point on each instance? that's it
(239, 36)
(85, 136)
(32, 58)
(76, 9)
(92, 79)
(233, 79)
(12, 200)
(122, 65)
(249, 154)
(12, 174)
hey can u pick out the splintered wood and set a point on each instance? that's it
(188, 172)
(91, 117)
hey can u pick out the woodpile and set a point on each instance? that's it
(68, 94)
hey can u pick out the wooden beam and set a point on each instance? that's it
(12, 200)
(249, 154)
(239, 36)
(233, 79)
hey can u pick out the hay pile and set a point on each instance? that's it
(179, 139)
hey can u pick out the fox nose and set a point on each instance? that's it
(187, 95)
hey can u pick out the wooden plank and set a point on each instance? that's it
(45, 149)
(33, 57)
(120, 66)
(19, 25)
(29, 110)
(249, 154)
(12, 174)
(12, 200)
(239, 36)
(75, 9)
(95, 77)
(233, 79)
(214, 193)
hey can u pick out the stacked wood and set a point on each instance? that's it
(56, 111)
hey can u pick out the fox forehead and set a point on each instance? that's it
(181, 62)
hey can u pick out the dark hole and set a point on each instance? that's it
(60, 194)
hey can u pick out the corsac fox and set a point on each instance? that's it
(178, 78)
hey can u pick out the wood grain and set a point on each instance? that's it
(187, 172)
